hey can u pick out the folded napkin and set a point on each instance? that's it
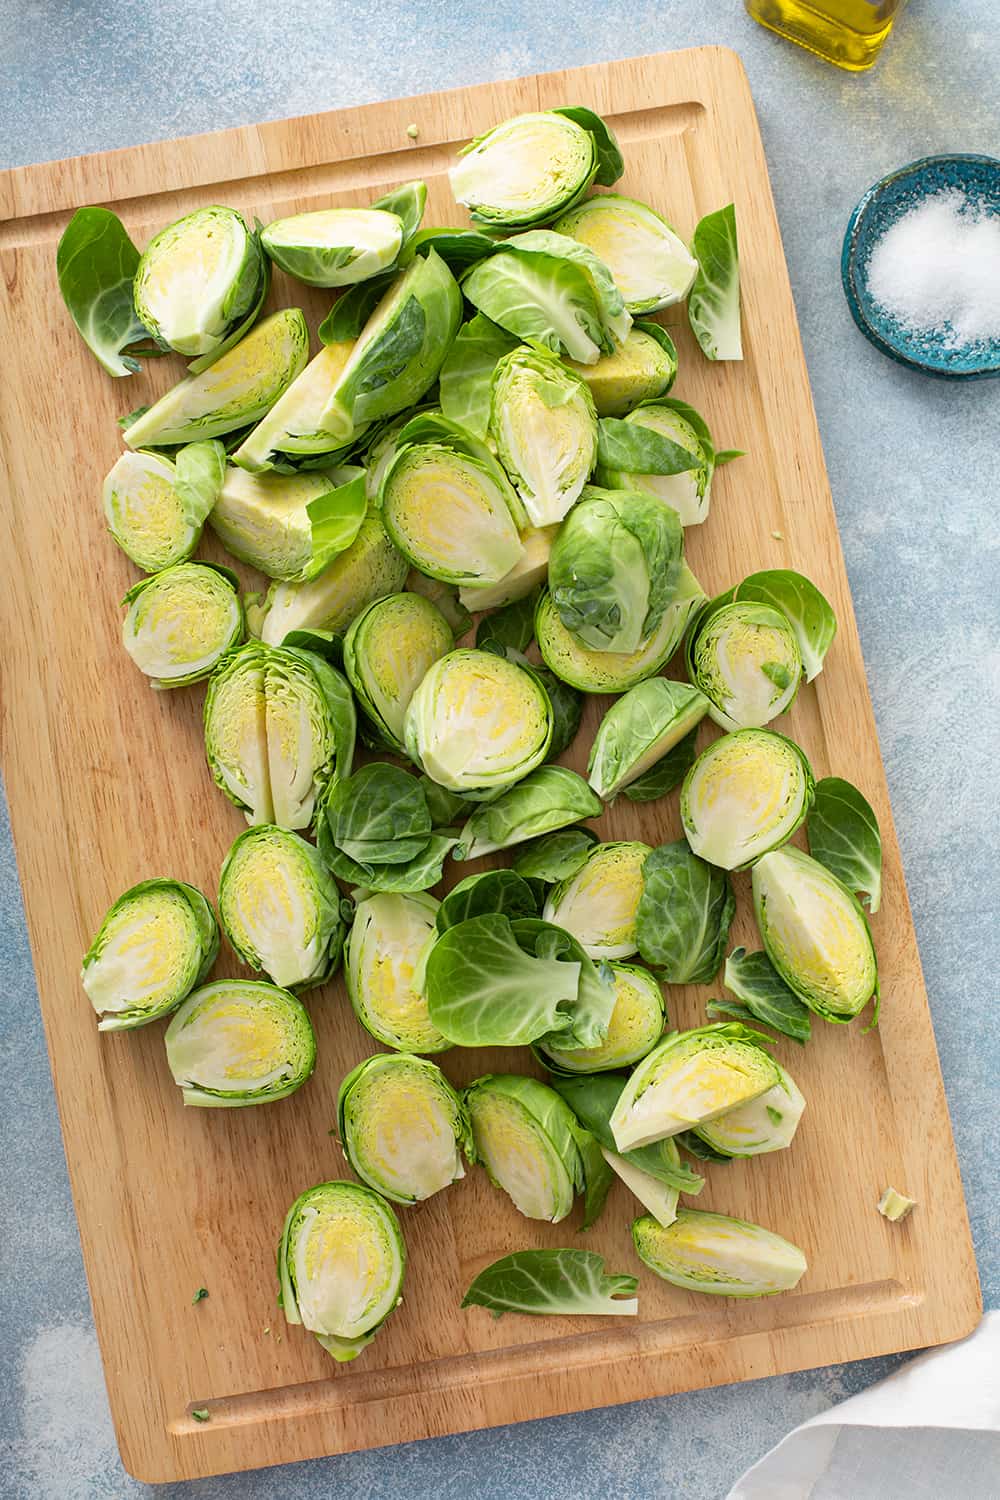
(930, 1431)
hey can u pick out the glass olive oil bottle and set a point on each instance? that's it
(849, 33)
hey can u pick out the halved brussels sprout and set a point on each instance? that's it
(815, 934)
(198, 279)
(383, 966)
(402, 1126)
(598, 904)
(387, 652)
(703, 1252)
(767, 1123)
(638, 730)
(642, 368)
(181, 622)
(661, 448)
(400, 348)
(745, 795)
(478, 722)
(155, 522)
(613, 671)
(238, 1042)
(370, 568)
(156, 942)
(280, 908)
(544, 426)
(745, 659)
(290, 526)
(235, 390)
(279, 726)
(690, 1078)
(292, 431)
(548, 799)
(334, 246)
(524, 1136)
(530, 570)
(341, 1261)
(614, 568)
(532, 167)
(651, 264)
(635, 1028)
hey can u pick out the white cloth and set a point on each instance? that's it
(929, 1431)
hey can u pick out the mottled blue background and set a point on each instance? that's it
(915, 469)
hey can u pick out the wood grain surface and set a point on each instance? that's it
(107, 785)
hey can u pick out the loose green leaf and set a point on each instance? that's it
(467, 373)
(752, 978)
(597, 1176)
(684, 914)
(511, 628)
(668, 772)
(96, 264)
(351, 312)
(407, 203)
(477, 895)
(556, 856)
(630, 448)
(807, 611)
(200, 471)
(610, 163)
(714, 300)
(552, 1281)
(844, 835)
(548, 799)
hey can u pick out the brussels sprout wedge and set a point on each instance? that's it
(525, 1137)
(290, 526)
(387, 652)
(598, 904)
(383, 963)
(544, 426)
(767, 1123)
(292, 431)
(530, 168)
(639, 730)
(651, 264)
(641, 369)
(239, 1042)
(635, 1027)
(181, 622)
(745, 795)
(198, 280)
(155, 944)
(528, 574)
(402, 1126)
(703, 1252)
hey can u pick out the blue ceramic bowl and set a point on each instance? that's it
(978, 177)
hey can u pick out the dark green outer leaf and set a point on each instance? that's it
(631, 448)
(592, 1098)
(555, 856)
(351, 311)
(610, 164)
(668, 772)
(597, 1176)
(494, 891)
(378, 803)
(844, 836)
(701, 1150)
(512, 626)
(684, 914)
(752, 978)
(458, 248)
(550, 1281)
(96, 264)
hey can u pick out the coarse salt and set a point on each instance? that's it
(937, 270)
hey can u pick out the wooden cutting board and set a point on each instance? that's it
(108, 785)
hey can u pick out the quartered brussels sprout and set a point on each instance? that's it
(614, 568)
(598, 904)
(478, 722)
(614, 671)
(767, 1123)
(639, 729)
(524, 1136)
(642, 368)
(745, 659)
(690, 1078)
(661, 448)
(383, 966)
(528, 573)
(181, 622)
(651, 264)
(155, 520)
(238, 1042)
(703, 1252)
(714, 303)
(387, 652)
(635, 1028)
(235, 390)
(402, 1126)
(534, 166)
(198, 281)
(544, 426)
(448, 505)
(292, 432)
(280, 908)
(400, 349)
(549, 798)
(370, 568)
(341, 1260)
(334, 246)
(745, 795)
(157, 941)
(815, 934)
(290, 526)
(279, 725)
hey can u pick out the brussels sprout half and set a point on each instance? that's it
(198, 279)
(387, 652)
(235, 390)
(524, 1136)
(745, 795)
(613, 671)
(280, 908)
(598, 904)
(635, 1028)
(690, 1078)
(478, 722)
(639, 729)
(341, 1260)
(290, 526)
(403, 1127)
(181, 622)
(815, 934)
(703, 1252)
(745, 658)
(383, 966)
(239, 1042)
(156, 942)
(642, 368)
(651, 264)
(530, 168)
(334, 246)
(544, 426)
(149, 517)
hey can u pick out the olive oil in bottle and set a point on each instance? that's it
(849, 33)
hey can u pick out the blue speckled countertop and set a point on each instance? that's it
(915, 469)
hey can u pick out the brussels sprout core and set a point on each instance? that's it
(238, 1042)
(745, 795)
